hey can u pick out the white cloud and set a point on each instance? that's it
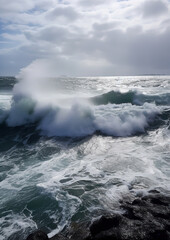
(87, 37)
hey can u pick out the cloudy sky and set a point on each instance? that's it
(85, 37)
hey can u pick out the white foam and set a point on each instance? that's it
(74, 121)
(82, 119)
(13, 223)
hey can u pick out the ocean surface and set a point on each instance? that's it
(71, 148)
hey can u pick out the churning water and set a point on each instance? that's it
(70, 148)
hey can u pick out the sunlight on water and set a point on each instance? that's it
(72, 147)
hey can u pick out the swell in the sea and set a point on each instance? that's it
(113, 113)
(133, 97)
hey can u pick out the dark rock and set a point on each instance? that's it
(137, 202)
(130, 213)
(103, 224)
(158, 202)
(159, 235)
(143, 218)
(78, 231)
(38, 235)
(167, 227)
(107, 235)
(59, 237)
(161, 215)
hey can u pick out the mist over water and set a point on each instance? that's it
(70, 148)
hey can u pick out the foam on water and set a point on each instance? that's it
(13, 225)
(68, 157)
(94, 174)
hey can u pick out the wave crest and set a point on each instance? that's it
(115, 97)
(82, 119)
(133, 97)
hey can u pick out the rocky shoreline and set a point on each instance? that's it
(142, 218)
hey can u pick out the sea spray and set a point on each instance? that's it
(56, 113)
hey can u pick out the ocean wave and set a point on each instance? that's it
(133, 97)
(7, 82)
(115, 97)
(81, 119)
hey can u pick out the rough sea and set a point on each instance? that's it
(71, 148)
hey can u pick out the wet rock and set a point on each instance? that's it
(38, 235)
(130, 213)
(141, 218)
(144, 218)
(158, 202)
(59, 237)
(137, 202)
(103, 224)
(159, 235)
(167, 227)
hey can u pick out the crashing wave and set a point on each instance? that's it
(81, 119)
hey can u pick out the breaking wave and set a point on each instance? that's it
(81, 119)
(55, 113)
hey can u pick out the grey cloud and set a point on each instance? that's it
(90, 3)
(153, 8)
(105, 26)
(51, 34)
(166, 23)
(141, 52)
(133, 51)
(125, 52)
(15, 6)
(66, 12)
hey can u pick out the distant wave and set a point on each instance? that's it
(80, 119)
(114, 97)
(7, 82)
(133, 97)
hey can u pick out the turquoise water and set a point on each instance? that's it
(70, 148)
